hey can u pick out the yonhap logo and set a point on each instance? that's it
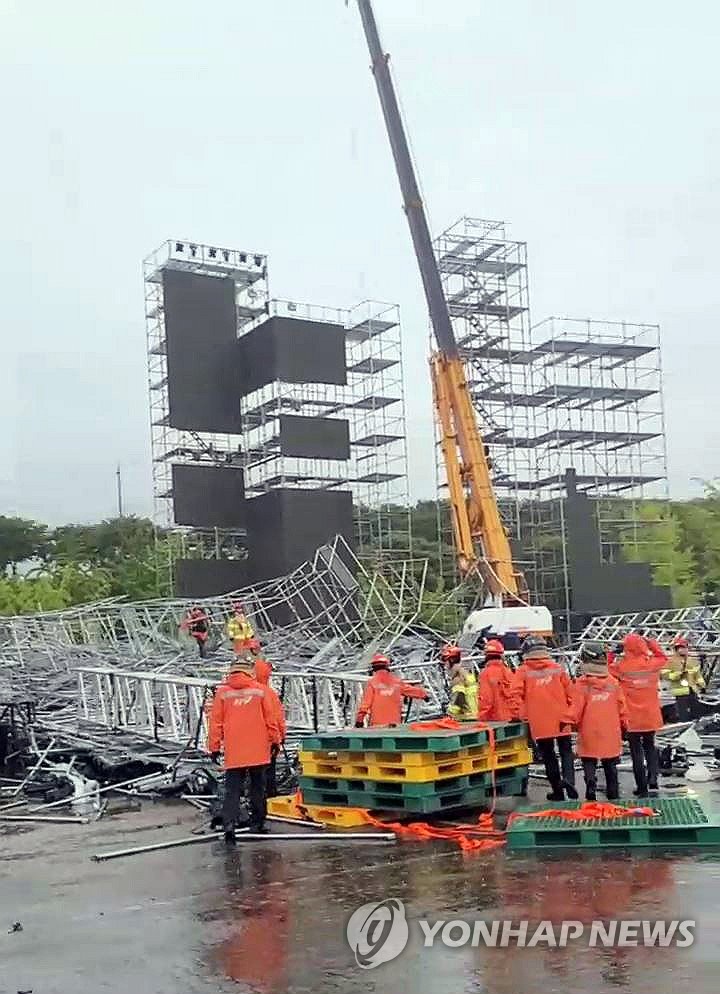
(378, 932)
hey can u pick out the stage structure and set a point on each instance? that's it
(335, 421)
(275, 425)
(572, 413)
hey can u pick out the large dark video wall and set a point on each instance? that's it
(293, 351)
(285, 527)
(604, 588)
(209, 577)
(201, 334)
(209, 370)
(208, 496)
(314, 438)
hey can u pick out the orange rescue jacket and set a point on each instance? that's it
(497, 697)
(638, 670)
(544, 695)
(263, 669)
(243, 720)
(383, 699)
(600, 714)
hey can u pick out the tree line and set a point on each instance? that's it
(45, 569)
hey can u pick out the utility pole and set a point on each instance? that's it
(119, 492)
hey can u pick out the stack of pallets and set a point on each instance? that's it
(412, 772)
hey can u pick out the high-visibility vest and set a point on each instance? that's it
(683, 675)
(466, 684)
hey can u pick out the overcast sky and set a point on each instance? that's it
(591, 129)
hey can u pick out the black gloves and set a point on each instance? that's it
(274, 750)
(360, 723)
(215, 757)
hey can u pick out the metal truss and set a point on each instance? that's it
(700, 625)
(173, 709)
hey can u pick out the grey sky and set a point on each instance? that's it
(591, 129)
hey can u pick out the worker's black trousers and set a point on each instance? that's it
(234, 783)
(546, 748)
(612, 787)
(271, 777)
(645, 760)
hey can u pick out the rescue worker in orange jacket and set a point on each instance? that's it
(638, 670)
(197, 624)
(382, 700)
(243, 721)
(497, 699)
(600, 715)
(263, 669)
(544, 692)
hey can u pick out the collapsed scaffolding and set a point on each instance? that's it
(120, 677)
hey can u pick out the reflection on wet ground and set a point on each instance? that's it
(272, 919)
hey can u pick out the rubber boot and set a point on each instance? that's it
(230, 837)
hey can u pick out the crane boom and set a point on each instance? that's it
(481, 541)
(412, 201)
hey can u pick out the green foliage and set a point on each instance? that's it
(21, 540)
(663, 545)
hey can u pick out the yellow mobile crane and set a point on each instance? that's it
(481, 542)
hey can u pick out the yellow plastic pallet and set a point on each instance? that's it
(287, 807)
(404, 760)
(340, 817)
(414, 774)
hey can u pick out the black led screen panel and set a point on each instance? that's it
(208, 496)
(605, 588)
(314, 438)
(201, 334)
(292, 350)
(209, 577)
(285, 528)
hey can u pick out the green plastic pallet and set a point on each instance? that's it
(474, 797)
(404, 739)
(681, 822)
(392, 789)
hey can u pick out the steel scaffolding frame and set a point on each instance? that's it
(563, 394)
(372, 402)
(169, 445)
(332, 608)
(700, 625)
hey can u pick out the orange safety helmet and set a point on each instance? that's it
(380, 661)
(451, 654)
(494, 648)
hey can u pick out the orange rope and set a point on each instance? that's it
(589, 811)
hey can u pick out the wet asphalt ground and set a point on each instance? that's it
(271, 916)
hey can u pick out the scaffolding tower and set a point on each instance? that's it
(563, 395)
